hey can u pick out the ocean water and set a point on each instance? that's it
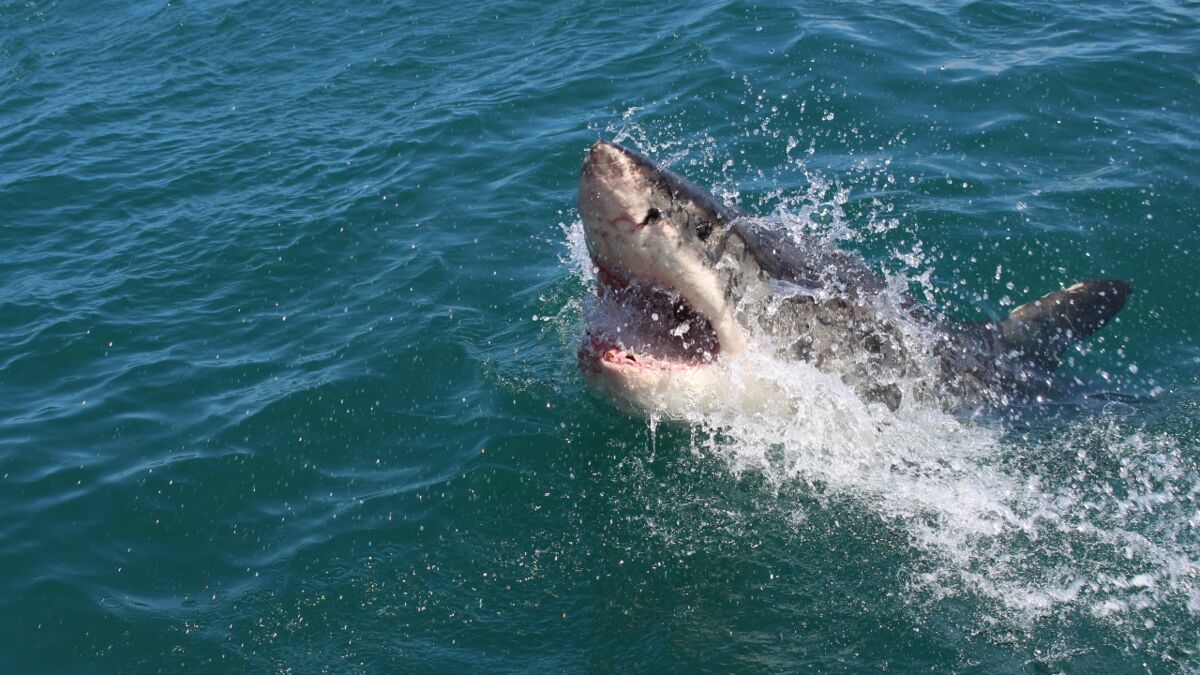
(290, 294)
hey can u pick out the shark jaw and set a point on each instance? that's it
(664, 315)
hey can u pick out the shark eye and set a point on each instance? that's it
(652, 215)
(704, 230)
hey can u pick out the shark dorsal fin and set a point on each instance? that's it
(1043, 329)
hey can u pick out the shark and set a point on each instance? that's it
(687, 285)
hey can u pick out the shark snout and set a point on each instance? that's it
(608, 162)
(610, 195)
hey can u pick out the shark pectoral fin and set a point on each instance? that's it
(1043, 329)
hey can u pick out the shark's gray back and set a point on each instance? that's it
(828, 307)
(807, 262)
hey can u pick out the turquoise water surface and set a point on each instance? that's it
(290, 294)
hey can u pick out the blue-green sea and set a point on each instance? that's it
(290, 294)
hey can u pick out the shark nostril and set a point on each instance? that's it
(652, 215)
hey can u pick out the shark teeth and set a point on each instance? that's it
(636, 322)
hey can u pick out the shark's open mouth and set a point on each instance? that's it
(638, 323)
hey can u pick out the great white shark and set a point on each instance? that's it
(687, 284)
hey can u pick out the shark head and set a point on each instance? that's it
(668, 304)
